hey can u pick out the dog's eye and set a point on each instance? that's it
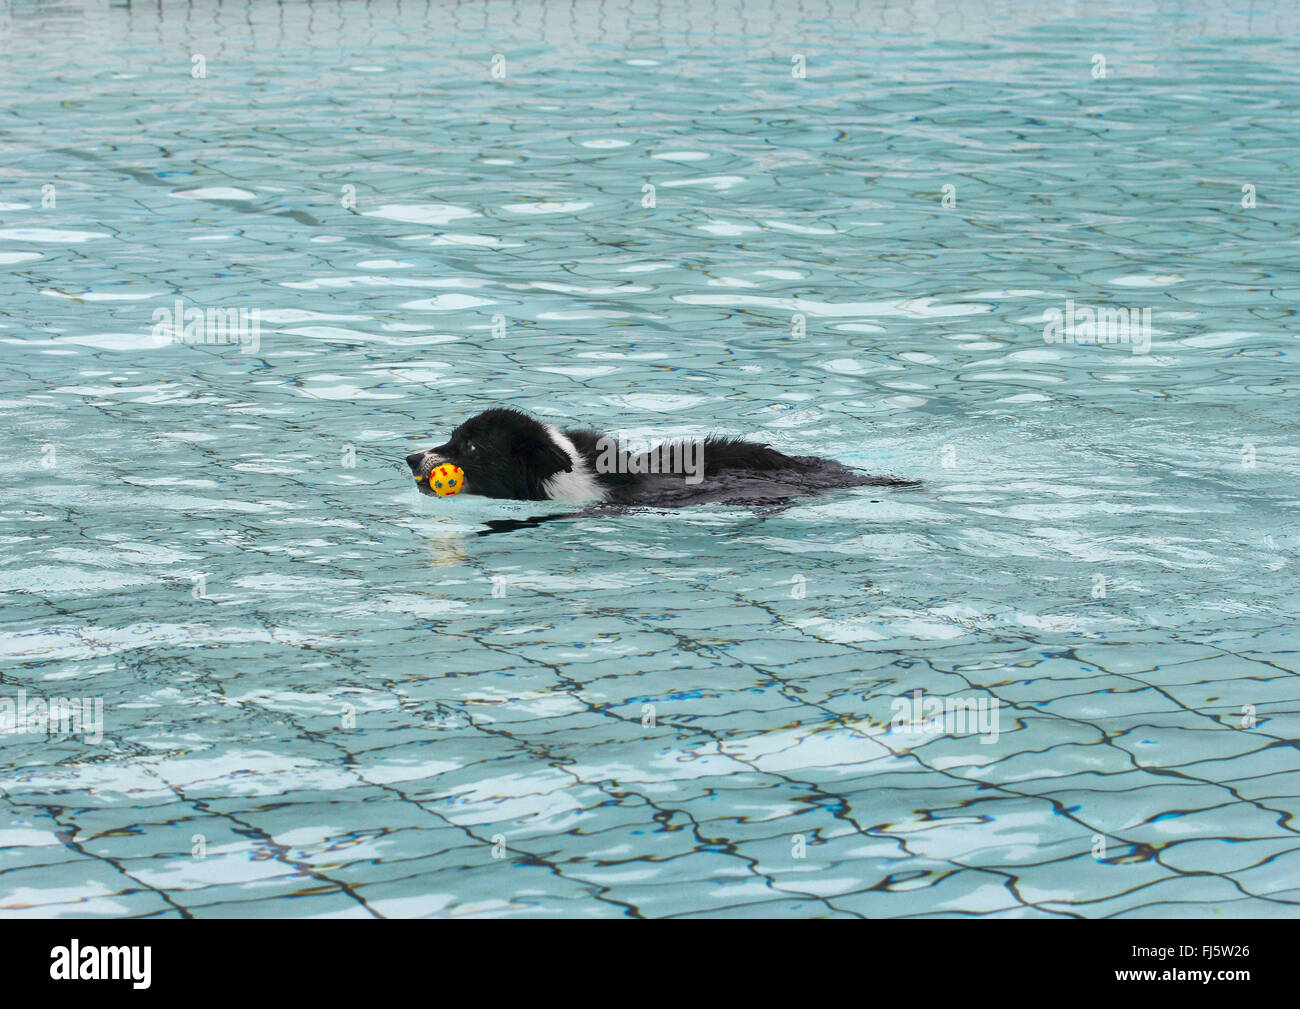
(470, 448)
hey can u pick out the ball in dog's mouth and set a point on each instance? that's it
(445, 479)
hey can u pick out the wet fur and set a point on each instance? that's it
(507, 454)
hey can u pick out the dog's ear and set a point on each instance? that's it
(542, 455)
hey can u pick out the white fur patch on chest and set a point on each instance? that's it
(579, 484)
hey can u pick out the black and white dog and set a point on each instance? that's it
(507, 454)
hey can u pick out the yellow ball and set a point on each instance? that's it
(446, 479)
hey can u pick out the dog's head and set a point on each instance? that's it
(504, 453)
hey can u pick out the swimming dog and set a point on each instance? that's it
(508, 454)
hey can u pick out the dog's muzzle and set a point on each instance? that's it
(422, 464)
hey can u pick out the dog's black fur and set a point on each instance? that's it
(507, 454)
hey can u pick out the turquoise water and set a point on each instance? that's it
(323, 694)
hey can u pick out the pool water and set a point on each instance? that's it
(325, 695)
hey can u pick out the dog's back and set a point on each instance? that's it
(726, 470)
